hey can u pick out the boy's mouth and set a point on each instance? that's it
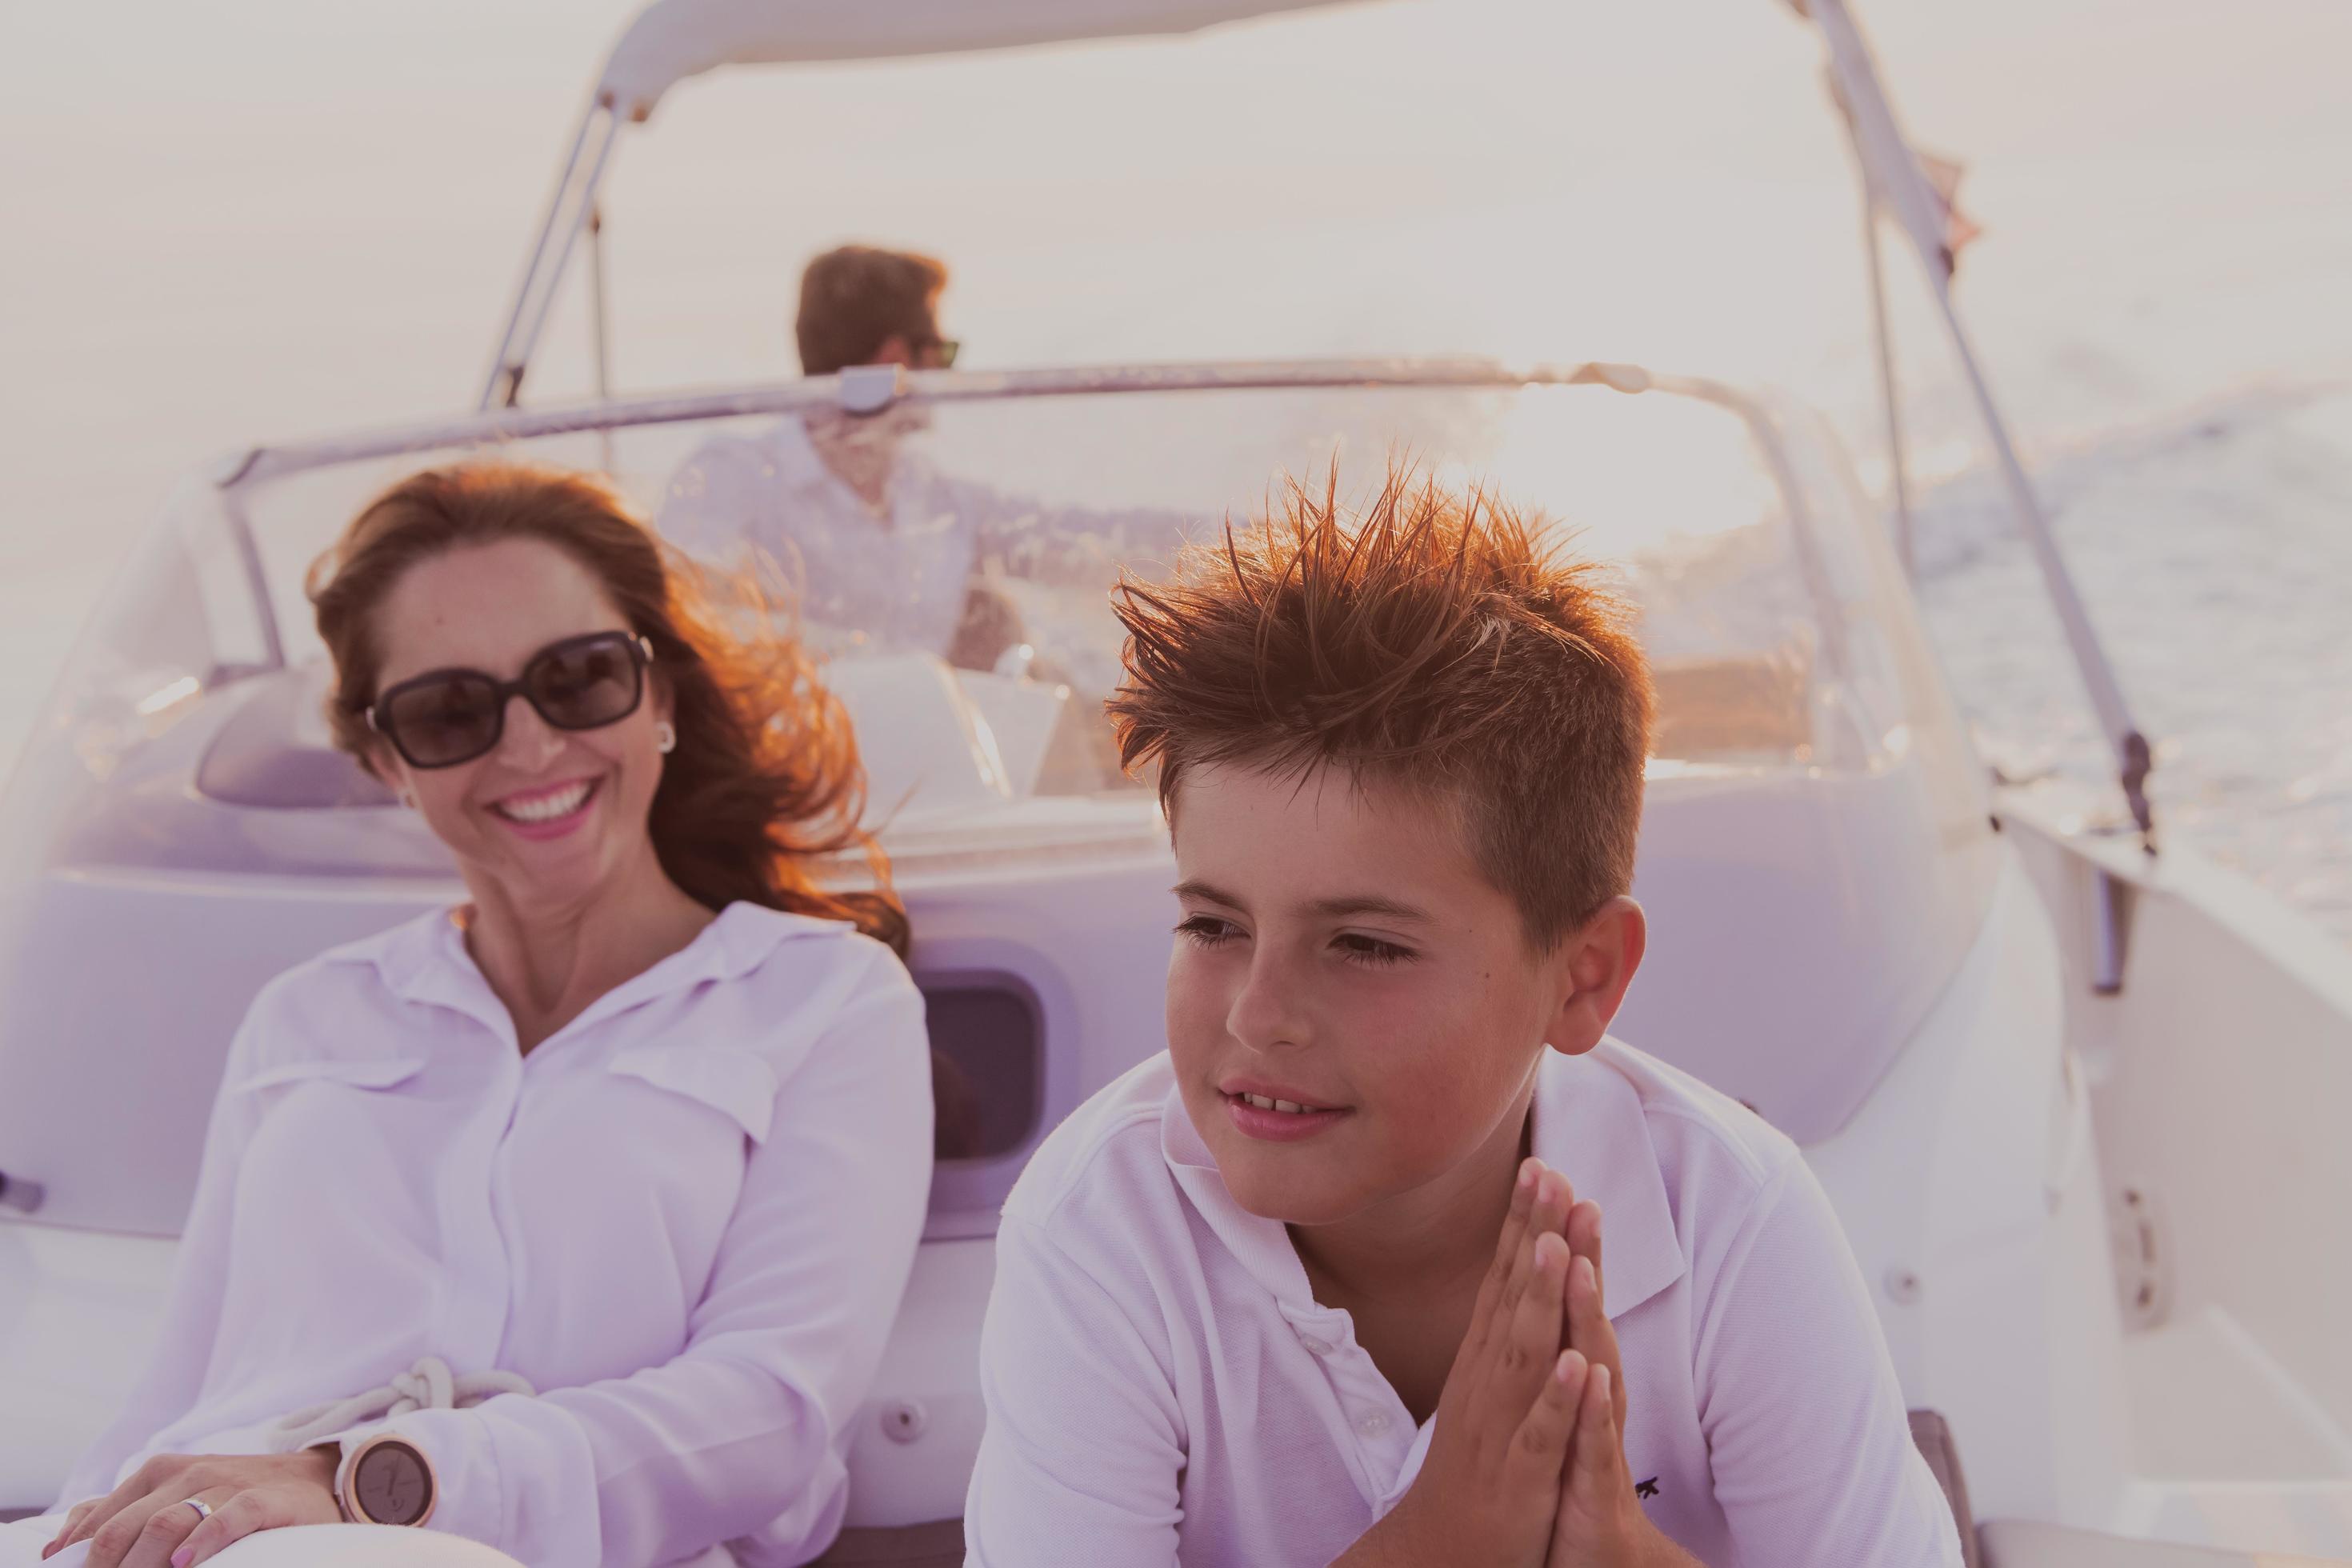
(1267, 1102)
(1277, 1118)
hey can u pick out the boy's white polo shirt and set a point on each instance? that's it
(1162, 1387)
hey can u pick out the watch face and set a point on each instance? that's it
(392, 1485)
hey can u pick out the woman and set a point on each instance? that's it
(644, 1126)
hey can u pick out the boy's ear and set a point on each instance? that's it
(1597, 962)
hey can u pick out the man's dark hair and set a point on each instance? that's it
(858, 298)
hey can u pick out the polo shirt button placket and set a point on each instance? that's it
(1372, 1422)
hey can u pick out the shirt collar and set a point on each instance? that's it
(1261, 1245)
(425, 961)
(1589, 1125)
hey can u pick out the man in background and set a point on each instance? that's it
(879, 549)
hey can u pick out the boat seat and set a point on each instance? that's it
(1710, 708)
(938, 1544)
(1801, 928)
(1932, 1435)
(276, 754)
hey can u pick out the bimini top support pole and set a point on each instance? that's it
(1899, 188)
(570, 208)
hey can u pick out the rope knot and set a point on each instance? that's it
(427, 1385)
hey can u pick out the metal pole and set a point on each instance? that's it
(600, 327)
(599, 323)
(1894, 176)
(491, 387)
(2132, 755)
(519, 361)
(2110, 932)
(256, 578)
(1890, 395)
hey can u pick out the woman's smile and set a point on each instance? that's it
(549, 811)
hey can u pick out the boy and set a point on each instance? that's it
(1324, 1283)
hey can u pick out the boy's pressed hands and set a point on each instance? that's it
(1590, 1332)
(1598, 1522)
(1490, 1489)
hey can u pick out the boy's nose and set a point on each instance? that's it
(1265, 1014)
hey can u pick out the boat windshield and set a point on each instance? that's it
(1814, 832)
(954, 557)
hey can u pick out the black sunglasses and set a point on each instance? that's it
(453, 716)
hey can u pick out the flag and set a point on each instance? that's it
(1943, 177)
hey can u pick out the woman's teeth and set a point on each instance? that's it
(545, 807)
(1292, 1106)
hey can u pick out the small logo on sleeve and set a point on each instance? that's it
(1647, 1490)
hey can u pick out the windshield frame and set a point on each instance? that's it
(871, 389)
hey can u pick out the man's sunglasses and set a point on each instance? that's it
(453, 716)
(944, 350)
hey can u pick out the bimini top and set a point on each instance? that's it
(674, 39)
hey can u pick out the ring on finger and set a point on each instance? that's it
(204, 1510)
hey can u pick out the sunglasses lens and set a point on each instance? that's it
(585, 685)
(437, 723)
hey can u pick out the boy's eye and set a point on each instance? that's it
(1371, 950)
(1206, 930)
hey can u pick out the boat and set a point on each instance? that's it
(2074, 1091)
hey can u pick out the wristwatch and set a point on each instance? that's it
(387, 1480)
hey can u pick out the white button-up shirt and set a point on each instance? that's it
(1162, 1387)
(898, 575)
(895, 579)
(685, 1218)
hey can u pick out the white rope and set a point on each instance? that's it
(427, 1385)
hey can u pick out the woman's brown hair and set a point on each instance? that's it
(765, 780)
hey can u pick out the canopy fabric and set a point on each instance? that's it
(672, 40)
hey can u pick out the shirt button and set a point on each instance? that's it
(1372, 1422)
(1315, 1346)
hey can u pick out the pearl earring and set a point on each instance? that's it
(664, 738)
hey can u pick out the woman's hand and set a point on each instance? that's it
(1491, 1485)
(1599, 1523)
(144, 1522)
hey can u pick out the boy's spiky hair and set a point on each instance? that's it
(1436, 640)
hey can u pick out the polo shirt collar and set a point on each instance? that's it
(425, 961)
(1589, 1125)
(1260, 1244)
